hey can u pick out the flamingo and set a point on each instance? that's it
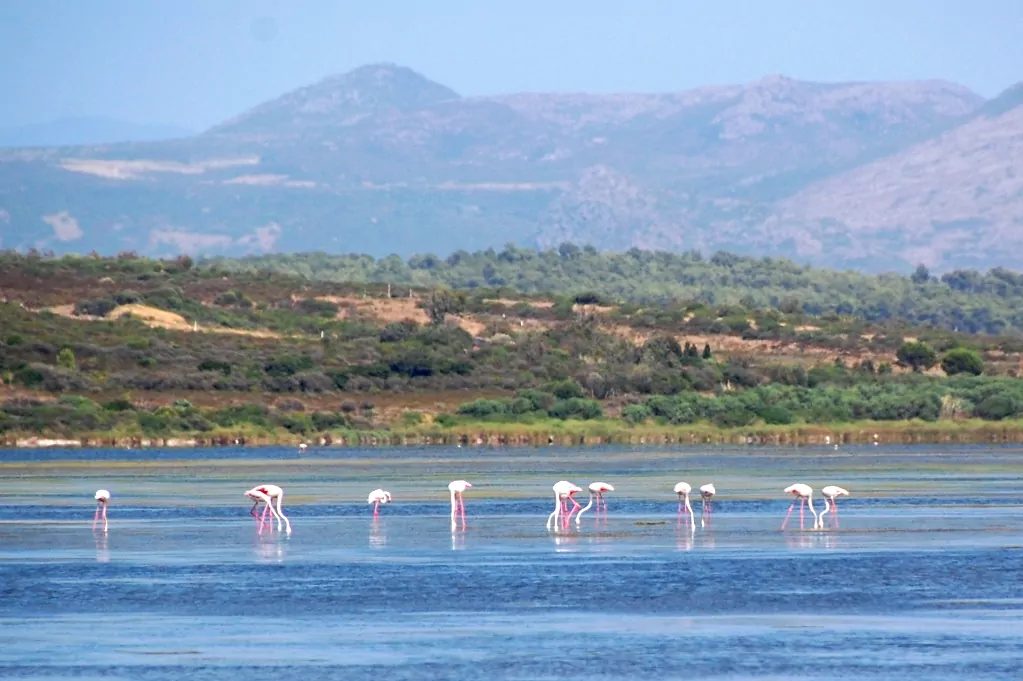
(597, 490)
(829, 493)
(457, 487)
(302, 447)
(683, 489)
(102, 496)
(707, 492)
(563, 490)
(805, 494)
(266, 494)
(378, 497)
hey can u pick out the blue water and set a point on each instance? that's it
(921, 577)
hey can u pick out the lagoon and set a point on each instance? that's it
(921, 576)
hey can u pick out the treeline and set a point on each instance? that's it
(963, 300)
(73, 415)
(836, 401)
(886, 399)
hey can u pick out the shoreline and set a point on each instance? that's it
(549, 433)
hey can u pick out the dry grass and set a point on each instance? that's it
(387, 310)
(156, 318)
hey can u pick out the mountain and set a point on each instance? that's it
(381, 160)
(87, 130)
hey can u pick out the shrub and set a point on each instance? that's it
(996, 408)
(962, 361)
(577, 408)
(916, 355)
(94, 308)
(565, 389)
(66, 359)
(636, 413)
(215, 365)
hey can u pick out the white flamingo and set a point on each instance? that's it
(378, 497)
(102, 497)
(683, 489)
(830, 493)
(707, 492)
(563, 491)
(597, 490)
(804, 493)
(456, 488)
(266, 494)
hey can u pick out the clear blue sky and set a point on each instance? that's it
(197, 62)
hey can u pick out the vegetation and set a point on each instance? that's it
(963, 300)
(157, 349)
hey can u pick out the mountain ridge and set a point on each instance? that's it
(382, 159)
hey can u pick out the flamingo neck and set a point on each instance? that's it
(584, 509)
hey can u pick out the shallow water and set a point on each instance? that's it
(921, 577)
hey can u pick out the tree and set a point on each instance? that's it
(921, 275)
(66, 359)
(916, 355)
(442, 303)
(962, 361)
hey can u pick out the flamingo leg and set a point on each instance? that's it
(376, 508)
(105, 526)
(461, 506)
(834, 512)
(95, 517)
(786, 521)
(576, 506)
(802, 504)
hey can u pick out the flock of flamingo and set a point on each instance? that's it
(559, 519)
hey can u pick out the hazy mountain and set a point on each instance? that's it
(87, 130)
(383, 160)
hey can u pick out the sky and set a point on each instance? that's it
(195, 63)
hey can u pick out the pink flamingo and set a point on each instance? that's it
(805, 494)
(378, 497)
(597, 490)
(563, 491)
(266, 494)
(683, 489)
(457, 487)
(102, 497)
(829, 493)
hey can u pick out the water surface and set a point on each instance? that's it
(920, 577)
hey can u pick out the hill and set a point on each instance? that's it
(129, 350)
(961, 300)
(381, 159)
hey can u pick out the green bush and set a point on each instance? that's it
(962, 361)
